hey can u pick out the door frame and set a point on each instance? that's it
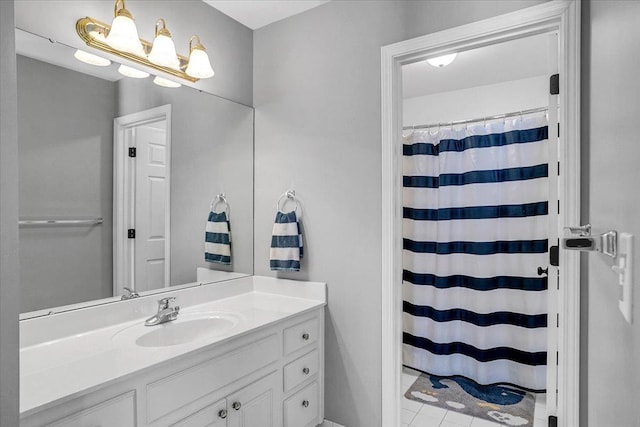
(563, 17)
(122, 193)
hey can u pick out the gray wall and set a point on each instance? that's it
(317, 100)
(611, 108)
(211, 153)
(65, 128)
(228, 43)
(9, 259)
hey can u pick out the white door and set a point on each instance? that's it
(257, 405)
(150, 206)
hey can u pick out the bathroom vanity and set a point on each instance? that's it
(245, 352)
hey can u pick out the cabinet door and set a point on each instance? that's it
(212, 416)
(257, 405)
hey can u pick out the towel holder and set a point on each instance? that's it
(287, 195)
(220, 198)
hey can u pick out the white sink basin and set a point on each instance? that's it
(185, 329)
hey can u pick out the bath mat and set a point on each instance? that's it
(501, 404)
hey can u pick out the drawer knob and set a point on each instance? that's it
(222, 413)
(305, 403)
(305, 371)
(305, 336)
(236, 405)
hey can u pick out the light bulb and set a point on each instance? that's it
(165, 83)
(132, 72)
(442, 61)
(123, 34)
(199, 65)
(163, 51)
(90, 58)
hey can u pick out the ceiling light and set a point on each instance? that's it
(199, 65)
(442, 61)
(163, 51)
(90, 58)
(165, 83)
(123, 34)
(132, 72)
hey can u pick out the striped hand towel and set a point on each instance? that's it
(286, 243)
(217, 242)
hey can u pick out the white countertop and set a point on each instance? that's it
(53, 371)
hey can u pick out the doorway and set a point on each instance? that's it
(558, 18)
(142, 181)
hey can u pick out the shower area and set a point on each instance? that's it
(479, 219)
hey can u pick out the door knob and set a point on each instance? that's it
(236, 405)
(542, 271)
(305, 403)
(305, 371)
(222, 413)
(305, 336)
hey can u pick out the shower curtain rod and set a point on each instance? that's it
(460, 122)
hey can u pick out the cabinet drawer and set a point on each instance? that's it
(301, 409)
(116, 412)
(169, 394)
(296, 372)
(210, 416)
(300, 335)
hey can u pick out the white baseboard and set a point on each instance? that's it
(328, 423)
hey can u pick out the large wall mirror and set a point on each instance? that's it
(117, 177)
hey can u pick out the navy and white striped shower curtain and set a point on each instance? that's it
(474, 233)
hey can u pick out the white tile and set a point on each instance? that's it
(540, 422)
(432, 411)
(326, 424)
(458, 418)
(407, 416)
(408, 379)
(481, 422)
(410, 371)
(449, 424)
(422, 420)
(411, 405)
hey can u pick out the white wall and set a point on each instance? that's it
(611, 200)
(317, 100)
(476, 102)
(228, 43)
(9, 270)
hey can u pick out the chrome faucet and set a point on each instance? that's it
(165, 313)
(129, 293)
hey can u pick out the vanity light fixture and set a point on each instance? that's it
(442, 61)
(122, 40)
(90, 58)
(132, 72)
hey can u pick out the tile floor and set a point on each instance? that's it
(416, 414)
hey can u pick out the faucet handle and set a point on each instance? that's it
(164, 302)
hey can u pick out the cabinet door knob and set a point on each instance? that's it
(222, 413)
(305, 371)
(305, 336)
(305, 403)
(236, 405)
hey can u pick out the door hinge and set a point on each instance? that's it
(554, 256)
(131, 233)
(554, 84)
(132, 151)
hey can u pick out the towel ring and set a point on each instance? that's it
(287, 195)
(220, 198)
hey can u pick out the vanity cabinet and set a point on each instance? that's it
(270, 377)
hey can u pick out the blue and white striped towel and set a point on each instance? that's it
(286, 243)
(217, 242)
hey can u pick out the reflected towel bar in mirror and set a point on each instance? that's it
(36, 222)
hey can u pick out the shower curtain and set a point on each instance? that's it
(474, 232)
